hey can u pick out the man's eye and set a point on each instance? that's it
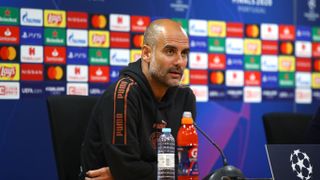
(184, 54)
(170, 52)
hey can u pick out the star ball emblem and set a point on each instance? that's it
(301, 165)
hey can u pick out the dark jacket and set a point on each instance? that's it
(126, 122)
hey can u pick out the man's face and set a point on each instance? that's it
(169, 58)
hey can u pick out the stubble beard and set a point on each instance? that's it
(161, 75)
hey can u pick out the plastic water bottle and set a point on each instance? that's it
(166, 150)
(187, 148)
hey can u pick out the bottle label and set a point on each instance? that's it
(188, 164)
(165, 160)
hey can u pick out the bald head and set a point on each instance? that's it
(160, 27)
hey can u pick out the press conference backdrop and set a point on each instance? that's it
(247, 58)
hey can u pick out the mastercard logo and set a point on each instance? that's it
(216, 77)
(55, 73)
(286, 48)
(252, 31)
(8, 53)
(138, 40)
(317, 65)
(99, 21)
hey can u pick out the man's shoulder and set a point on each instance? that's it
(124, 84)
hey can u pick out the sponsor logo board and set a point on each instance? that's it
(80, 89)
(198, 60)
(31, 35)
(55, 54)
(119, 22)
(201, 92)
(31, 17)
(9, 34)
(252, 94)
(99, 38)
(77, 73)
(77, 20)
(119, 57)
(9, 72)
(99, 74)
(78, 38)
(9, 90)
(77, 55)
(54, 18)
(31, 72)
(31, 54)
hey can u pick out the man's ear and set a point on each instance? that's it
(146, 53)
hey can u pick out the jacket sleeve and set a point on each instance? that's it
(121, 141)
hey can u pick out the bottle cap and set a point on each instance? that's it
(166, 130)
(187, 118)
(187, 114)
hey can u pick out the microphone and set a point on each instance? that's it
(227, 171)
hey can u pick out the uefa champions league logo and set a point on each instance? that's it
(301, 165)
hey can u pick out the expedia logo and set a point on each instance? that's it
(8, 53)
(252, 94)
(9, 90)
(77, 89)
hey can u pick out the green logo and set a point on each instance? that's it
(9, 16)
(216, 45)
(316, 33)
(54, 36)
(252, 62)
(183, 23)
(99, 56)
(286, 79)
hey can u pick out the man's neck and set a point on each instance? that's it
(157, 89)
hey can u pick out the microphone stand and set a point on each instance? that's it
(227, 171)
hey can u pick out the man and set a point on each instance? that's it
(121, 137)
